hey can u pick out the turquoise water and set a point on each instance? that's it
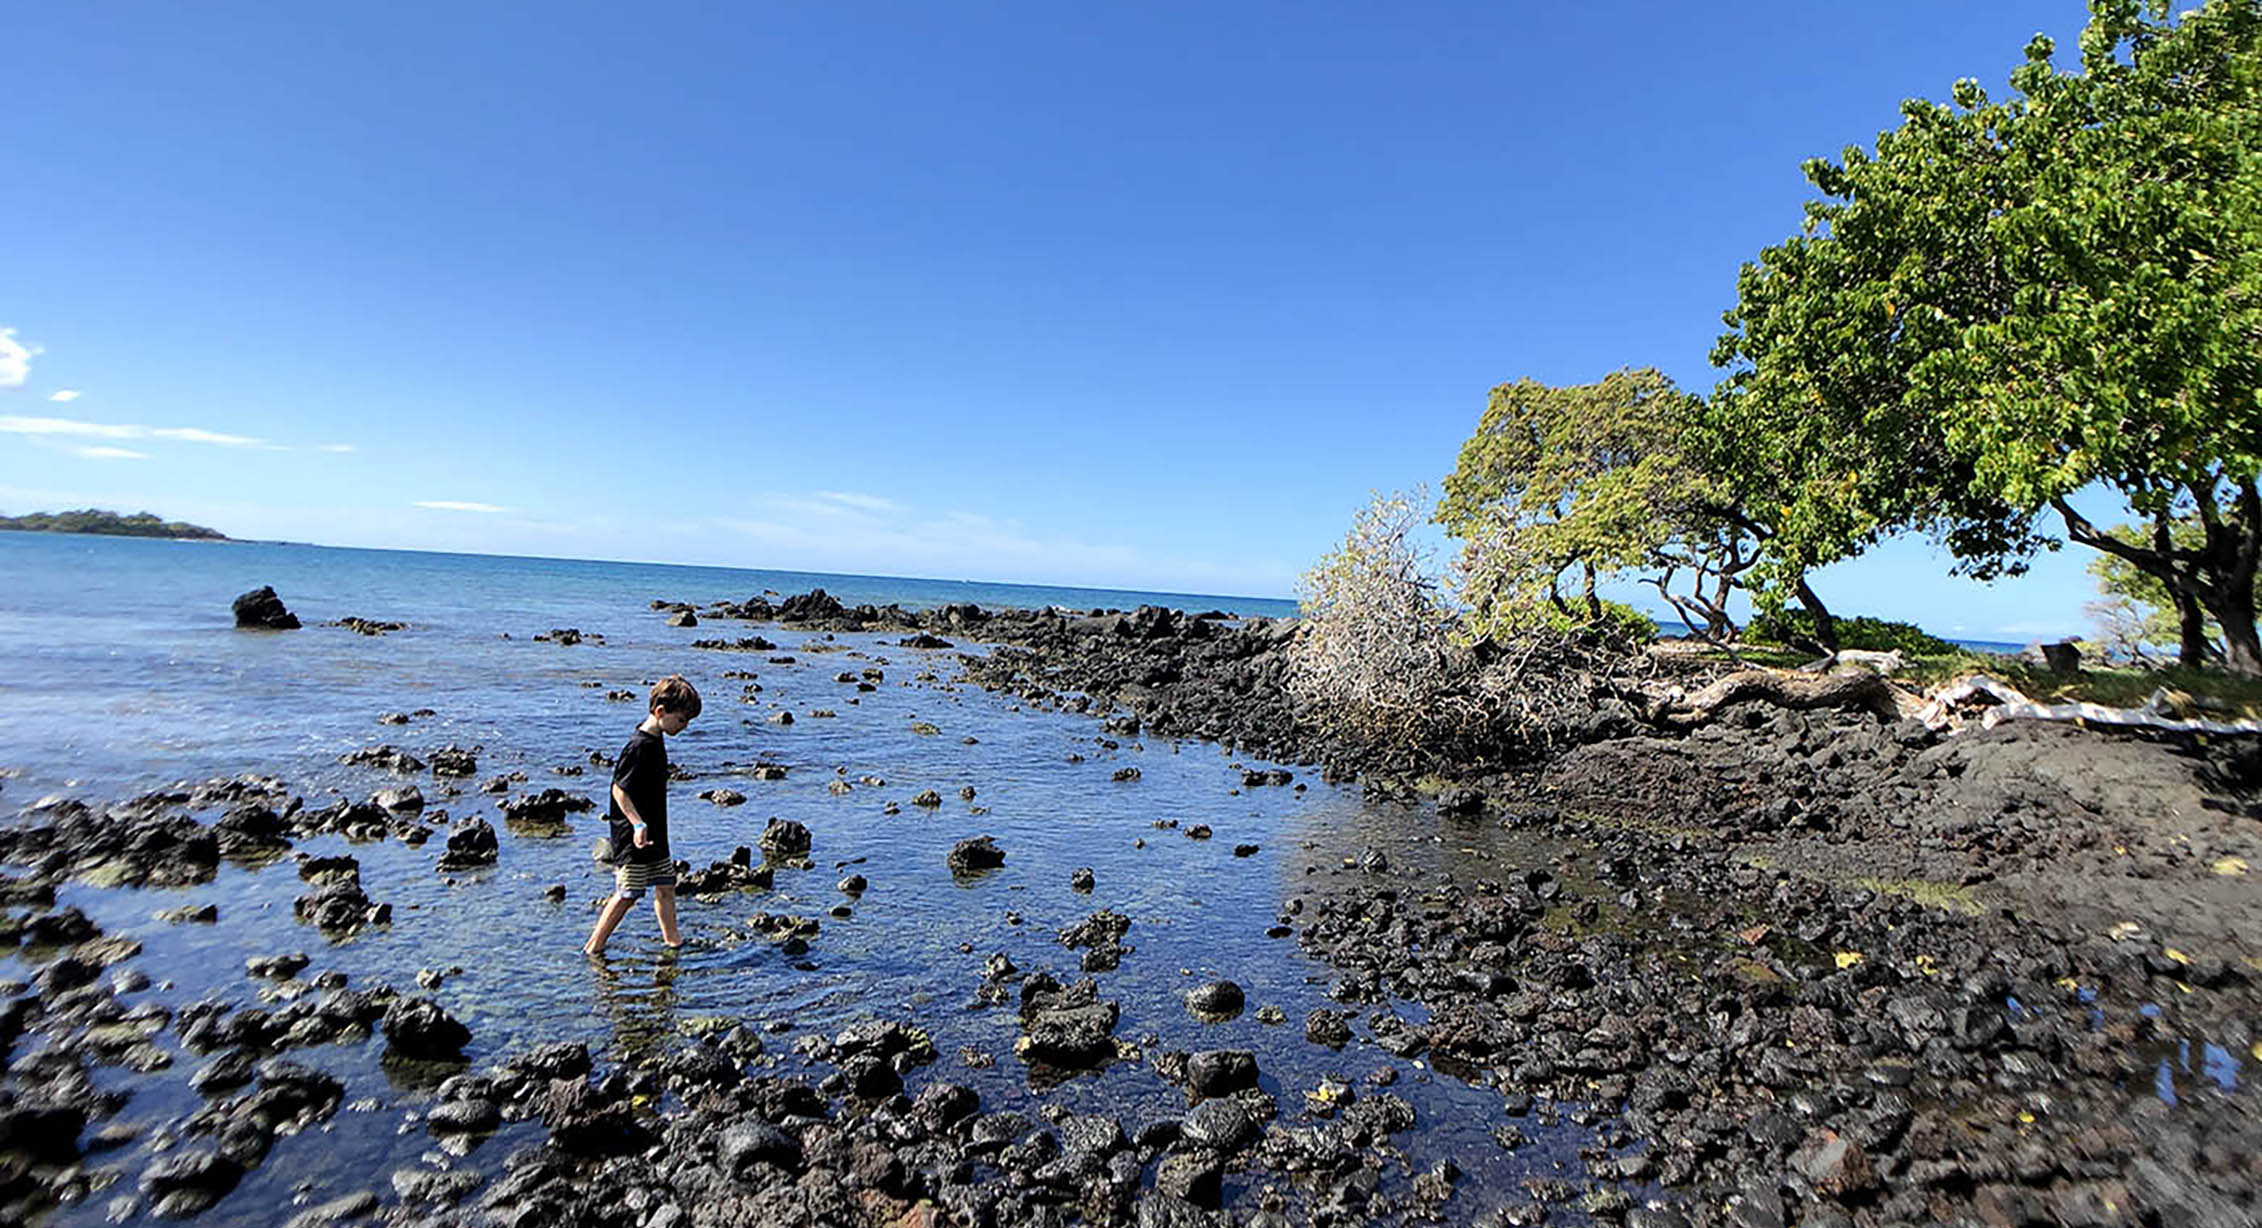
(120, 671)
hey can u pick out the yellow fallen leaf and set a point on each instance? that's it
(2067, 983)
(2028, 1118)
(2231, 867)
(1925, 965)
(1847, 959)
(2257, 1051)
(2175, 955)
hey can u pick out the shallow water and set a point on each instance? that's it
(123, 675)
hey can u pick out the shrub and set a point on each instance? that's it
(1862, 632)
(1623, 623)
(1391, 674)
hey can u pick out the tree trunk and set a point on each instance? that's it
(1594, 603)
(2234, 604)
(1825, 627)
(2219, 577)
(2242, 652)
(1722, 626)
(2191, 629)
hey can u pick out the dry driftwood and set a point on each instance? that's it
(1993, 702)
(1852, 689)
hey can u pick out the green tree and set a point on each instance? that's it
(1564, 486)
(2009, 301)
(96, 520)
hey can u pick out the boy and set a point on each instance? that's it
(639, 815)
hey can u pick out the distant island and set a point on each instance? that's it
(95, 520)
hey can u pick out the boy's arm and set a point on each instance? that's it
(628, 808)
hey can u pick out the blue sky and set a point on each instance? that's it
(1132, 295)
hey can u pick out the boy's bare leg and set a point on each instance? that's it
(663, 906)
(608, 920)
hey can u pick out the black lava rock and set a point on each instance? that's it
(418, 1028)
(261, 610)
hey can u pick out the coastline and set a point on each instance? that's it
(1647, 944)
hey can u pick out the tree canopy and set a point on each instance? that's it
(1581, 482)
(2010, 300)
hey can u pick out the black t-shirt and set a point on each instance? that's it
(642, 773)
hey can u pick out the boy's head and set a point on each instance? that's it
(674, 702)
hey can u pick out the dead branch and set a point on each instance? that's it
(1853, 689)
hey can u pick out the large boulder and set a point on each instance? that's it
(338, 906)
(186, 1181)
(1215, 1001)
(471, 844)
(418, 1028)
(1067, 1026)
(975, 854)
(1225, 1125)
(590, 1125)
(261, 610)
(544, 813)
(812, 606)
(751, 1142)
(783, 839)
(1219, 1072)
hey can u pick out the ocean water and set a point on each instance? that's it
(120, 672)
(120, 663)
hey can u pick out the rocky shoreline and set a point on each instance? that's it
(1787, 968)
(1829, 967)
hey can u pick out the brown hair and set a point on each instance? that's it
(676, 694)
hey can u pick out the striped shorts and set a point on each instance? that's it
(630, 878)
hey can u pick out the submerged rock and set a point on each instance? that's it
(1215, 1002)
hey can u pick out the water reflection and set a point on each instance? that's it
(637, 995)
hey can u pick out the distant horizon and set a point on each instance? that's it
(908, 288)
(738, 567)
(1664, 616)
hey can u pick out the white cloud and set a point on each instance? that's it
(456, 505)
(335, 447)
(191, 434)
(67, 426)
(105, 452)
(122, 430)
(15, 359)
(64, 394)
(861, 502)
